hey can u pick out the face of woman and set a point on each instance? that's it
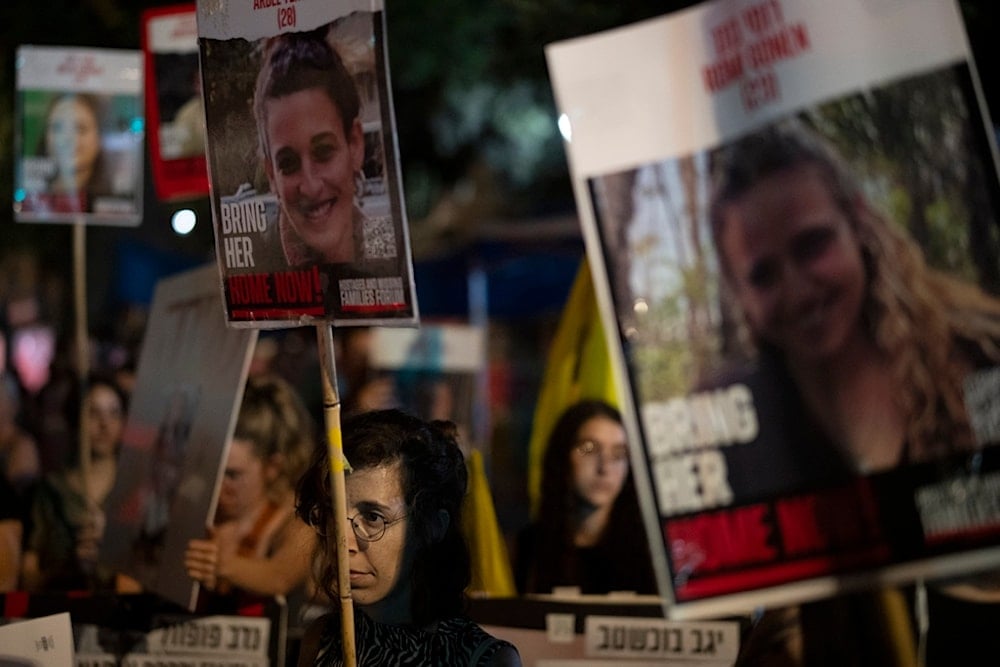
(105, 420)
(73, 139)
(312, 167)
(379, 569)
(599, 461)
(244, 483)
(796, 265)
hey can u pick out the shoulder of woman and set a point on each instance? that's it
(486, 648)
(505, 656)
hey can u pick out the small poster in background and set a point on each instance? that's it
(437, 373)
(791, 213)
(174, 106)
(79, 128)
(306, 192)
(189, 383)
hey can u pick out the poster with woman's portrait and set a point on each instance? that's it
(304, 171)
(799, 251)
(174, 107)
(79, 128)
(189, 384)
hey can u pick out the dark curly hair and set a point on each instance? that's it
(434, 478)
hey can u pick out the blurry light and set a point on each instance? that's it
(183, 221)
(20, 194)
(137, 125)
(564, 127)
(640, 307)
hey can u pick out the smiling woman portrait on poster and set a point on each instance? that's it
(309, 112)
(838, 301)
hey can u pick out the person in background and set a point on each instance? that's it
(307, 108)
(20, 463)
(409, 563)
(65, 521)
(589, 532)
(256, 546)
(362, 387)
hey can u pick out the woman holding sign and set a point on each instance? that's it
(257, 547)
(409, 564)
(307, 109)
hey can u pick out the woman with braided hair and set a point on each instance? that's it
(876, 343)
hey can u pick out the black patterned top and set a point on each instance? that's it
(455, 642)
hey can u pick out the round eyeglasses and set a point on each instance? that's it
(369, 526)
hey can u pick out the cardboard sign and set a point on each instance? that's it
(79, 136)
(304, 171)
(801, 300)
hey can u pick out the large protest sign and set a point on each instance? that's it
(189, 383)
(304, 170)
(174, 107)
(79, 135)
(790, 209)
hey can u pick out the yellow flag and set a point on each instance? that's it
(578, 367)
(491, 571)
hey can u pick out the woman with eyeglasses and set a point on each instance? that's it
(588, 533)
(257, 547)
(409, 563)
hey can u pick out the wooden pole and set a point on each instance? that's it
(82, 349)
(338, 494)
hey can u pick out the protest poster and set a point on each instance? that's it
(78, 133)
(174, 109)
(306, 192)
(189, 384)
(790, 210)
(205, 641)
(47, 640)
(108, 629)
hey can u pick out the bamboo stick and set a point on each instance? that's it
(338, 495)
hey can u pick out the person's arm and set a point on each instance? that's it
(10, 554)
(285, 568)
(31, 571)
(24, 464)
